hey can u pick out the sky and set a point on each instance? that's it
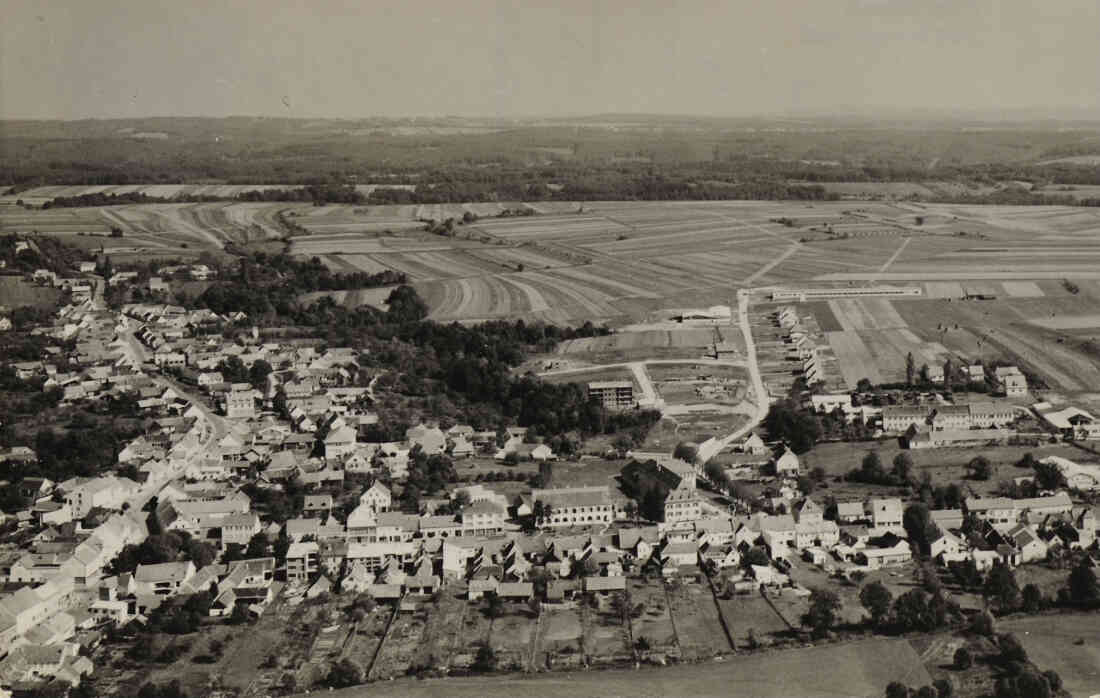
(69, 59)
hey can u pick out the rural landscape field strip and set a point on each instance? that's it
(854, 358)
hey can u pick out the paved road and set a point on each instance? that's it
(640, 375)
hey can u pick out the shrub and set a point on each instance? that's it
(963, 660)
(1011, 649)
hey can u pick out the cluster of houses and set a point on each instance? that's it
(307, 420)
(1012, 531)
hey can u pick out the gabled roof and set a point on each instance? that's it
(164, 572)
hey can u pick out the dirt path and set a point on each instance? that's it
(795, 247)
(886, 265)
(712, 448)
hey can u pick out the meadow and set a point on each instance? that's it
(852, 669)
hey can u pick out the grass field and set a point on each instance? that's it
(854, 669)
(15, 292)
(1051, 643)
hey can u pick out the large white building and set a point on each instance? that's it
(576, 506)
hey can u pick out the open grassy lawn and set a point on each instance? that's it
(1051, 643)
(834, 671)
(15, 293)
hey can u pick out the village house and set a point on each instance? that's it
(317, 505)
(786, 465)
(109, 492)
(164, 579)
(302, 561)
(850, 512)
(886, 515)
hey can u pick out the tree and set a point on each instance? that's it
(980, 468)
(494, 607)
(1048, 476)
(257, 374)
(344, 673)
(622, 444)
(910, 368)
(1082, 585)
(240, 614)
(876, 598)
(405, 305)
(631, 510)
(786, 422)
(1011, 649)
(485, 660)
(1031, 684)
(981, 623)
(944, 688)
(871, 466)
(756, 555)
(1000, 585)
(686, 451)
(821, 615)
(912, 611)
(948, 374)
(963, 660)
(896, 689)
(903, 466)
(918, 525)
(1032, 598)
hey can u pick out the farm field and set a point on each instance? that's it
(163, 230)
(853, 669)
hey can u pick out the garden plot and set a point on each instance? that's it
(750, 612)
(513, 635)
(441, 635)
(559, 642)
(368, 633)
(655, 622)
(695, 616)
(474, 634)
(402, 641)
(605, 639)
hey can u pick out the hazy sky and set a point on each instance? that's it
(124, 58)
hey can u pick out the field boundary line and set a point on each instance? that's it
(886, 265)
(382, 642)
(721, 614)
(455, 635)
(672, 618)
(771, 605)
(534, 644)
